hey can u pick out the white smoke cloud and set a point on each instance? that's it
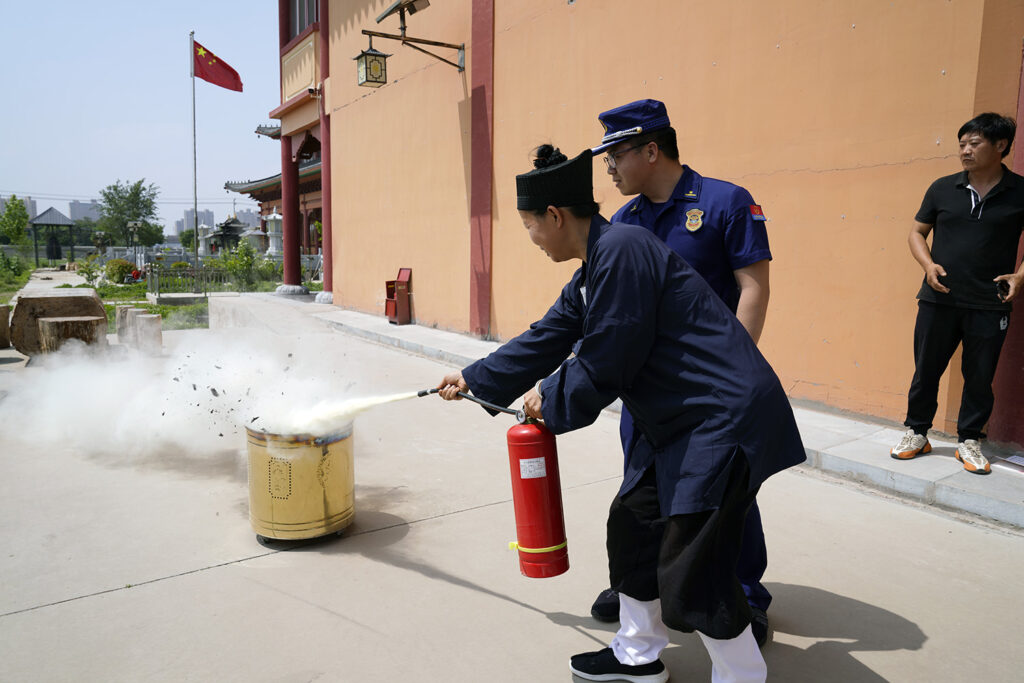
(199, 395)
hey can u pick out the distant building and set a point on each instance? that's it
(80, 210)
(205, 218)
(30, 205)
(179, 226)
(248, 217)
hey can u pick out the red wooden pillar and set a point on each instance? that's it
(304, 241)
(290, 212)
(326, 296)
(481, 166)
(289, 175)
(284, 24)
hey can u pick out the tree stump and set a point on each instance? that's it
(5, 326)
(50, 303)
(53, 332)
(148, 333)
(121, 322)
(132, 325)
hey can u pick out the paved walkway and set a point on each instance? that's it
(129, 556)
(842, 445)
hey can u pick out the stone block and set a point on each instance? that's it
(50, 303)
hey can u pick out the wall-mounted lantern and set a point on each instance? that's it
(372, 69)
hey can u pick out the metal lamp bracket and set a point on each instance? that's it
(415, 43)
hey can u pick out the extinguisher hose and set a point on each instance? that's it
(520, 414)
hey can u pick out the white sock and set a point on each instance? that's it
(641, 636)
(737, 660)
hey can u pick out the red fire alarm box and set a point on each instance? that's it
(396, 306)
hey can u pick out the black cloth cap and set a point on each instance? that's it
(570, 183)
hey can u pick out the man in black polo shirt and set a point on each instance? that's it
(969, 282)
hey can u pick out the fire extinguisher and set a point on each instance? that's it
(537, 499)
(536, 494)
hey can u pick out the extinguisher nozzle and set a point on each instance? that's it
(425, 392)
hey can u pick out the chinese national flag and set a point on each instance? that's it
(213, 69)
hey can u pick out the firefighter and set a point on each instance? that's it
(712, 420)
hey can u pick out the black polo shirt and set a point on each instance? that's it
(973, 240)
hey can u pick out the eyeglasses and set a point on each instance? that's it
(611, 160)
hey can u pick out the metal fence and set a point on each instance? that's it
(187, 280)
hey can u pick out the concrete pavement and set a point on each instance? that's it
(849, 447)
(138, 563)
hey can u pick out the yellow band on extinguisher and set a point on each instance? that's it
(512, 545)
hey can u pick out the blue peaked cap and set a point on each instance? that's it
(622, 123)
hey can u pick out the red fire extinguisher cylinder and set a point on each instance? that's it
(537, 498)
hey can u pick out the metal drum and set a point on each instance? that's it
(300, 486)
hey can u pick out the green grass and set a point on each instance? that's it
(106, 292)
(190, 317)
(313, 286)
(10, 284)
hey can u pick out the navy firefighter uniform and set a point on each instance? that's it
(717, 228)
(709, 410)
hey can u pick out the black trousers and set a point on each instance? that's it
(688, 561)
(937, 333)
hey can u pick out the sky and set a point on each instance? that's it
(100, 92)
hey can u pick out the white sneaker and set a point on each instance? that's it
(911, 444)
(969, 453)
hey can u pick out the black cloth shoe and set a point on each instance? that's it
(759, 625)
(606, 607)
(603, 666)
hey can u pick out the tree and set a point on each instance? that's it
(84, 228)
(14, 220)
(122, 203)
(187, 237)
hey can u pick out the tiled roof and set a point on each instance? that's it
(305, 170)
(51, 217)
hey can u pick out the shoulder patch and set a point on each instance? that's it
(757, 213)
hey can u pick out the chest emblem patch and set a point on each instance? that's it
(694, 220)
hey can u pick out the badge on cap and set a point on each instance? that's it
(694, 219)
(756, 213)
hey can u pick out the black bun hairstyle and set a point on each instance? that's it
(548, 155)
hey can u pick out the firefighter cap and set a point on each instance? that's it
(622, 123)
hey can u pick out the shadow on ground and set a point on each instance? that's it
(841, 626)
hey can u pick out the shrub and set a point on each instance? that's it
(247, 268)
(89, 269)
(241, 265)
(180, 265)
(117, 269)
(11, 266)
(268, 269)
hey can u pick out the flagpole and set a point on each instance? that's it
(195, 199)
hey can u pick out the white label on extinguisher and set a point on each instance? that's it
(533, 468)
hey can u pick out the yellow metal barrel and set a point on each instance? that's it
(300, 486)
